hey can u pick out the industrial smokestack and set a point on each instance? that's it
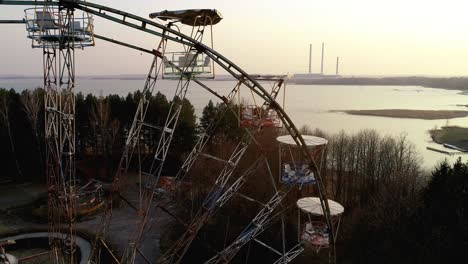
(310, 59)
(321, 67)
(337, 64)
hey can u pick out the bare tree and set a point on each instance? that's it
(105, 129)
(100, 116)
(364, 163)
(32, 106)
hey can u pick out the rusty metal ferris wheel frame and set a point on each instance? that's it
(156, 29)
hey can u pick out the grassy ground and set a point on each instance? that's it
(453, 135)
(14, 195)
(14, 199)
(4, 228)
(406, 113)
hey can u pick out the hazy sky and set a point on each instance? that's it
(385, 37)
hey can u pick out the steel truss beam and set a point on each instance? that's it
(217, 197)
(256, 226)
(12, 21)
(205, 136)
(275, 90)
(290, 255)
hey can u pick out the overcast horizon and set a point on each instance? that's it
(372, 38)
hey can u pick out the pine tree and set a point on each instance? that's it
(208, 115)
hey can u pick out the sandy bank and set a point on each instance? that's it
(407, 113)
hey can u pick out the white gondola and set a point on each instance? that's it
(189, 61)
(253, 116)
(296, 171)
(314, 230)
(48, 27)
(197, 64)
(264, 116)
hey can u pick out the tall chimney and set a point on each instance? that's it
(321, 67)
(337, 64)
(310, 59)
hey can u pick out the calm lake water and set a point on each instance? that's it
(310, 105)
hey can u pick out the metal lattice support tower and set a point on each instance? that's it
(52, 139)
(59, 83)
(67, 124)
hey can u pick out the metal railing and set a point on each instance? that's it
(48, 28)
(197, 64)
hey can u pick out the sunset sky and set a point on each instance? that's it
(371, 37)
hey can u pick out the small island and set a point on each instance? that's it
(453, 137)
(408, 113)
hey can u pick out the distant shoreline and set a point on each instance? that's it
(408, 113)
(451, 83)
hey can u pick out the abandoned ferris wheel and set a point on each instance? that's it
(185, 55)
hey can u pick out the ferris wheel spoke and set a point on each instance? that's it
(218, 196)
(209, 205)
(258, 224)
(128, 150)
(290, 255)
(205, 136)
(161, 152)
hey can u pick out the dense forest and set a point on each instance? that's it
(395, 212)
(102, 124)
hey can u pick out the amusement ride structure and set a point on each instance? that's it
(60, 27)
